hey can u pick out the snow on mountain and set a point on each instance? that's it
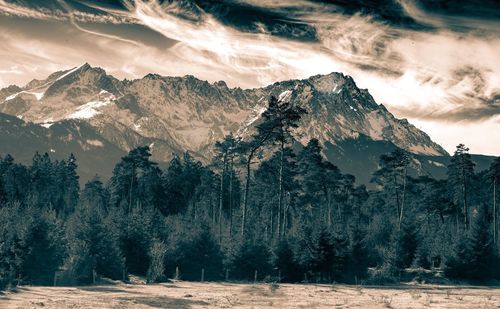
(90, 109)
(38, 95)
(47, 124)
(285, 96)
(67, 73)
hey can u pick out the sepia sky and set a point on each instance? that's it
(435, 62)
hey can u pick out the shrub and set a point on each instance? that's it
(250, 257)
(156, 271)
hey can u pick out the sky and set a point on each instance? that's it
(434, 62)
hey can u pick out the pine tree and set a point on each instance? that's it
(359, 259)
(32, 245)
(71, 186)
(224, 159)
(392, 176)
(460, 172)
(93, 246)
(136, 181)
(289, 269)
(15, 179)
(200, 251)
(43, 189)
(250, 256)
(172, 183)
(475, 257)
(341, 258)
(494, 177)
(321, 179)
(324, 255)
(277, 123)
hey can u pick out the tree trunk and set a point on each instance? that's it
(247, 187)
(280, 189)
(494, 210)
(396, 189)
(403, 199)
(247, 183)
(130, 190)
(285, 214)
(271, 221)
(466, 215)
(212, 207)
(195, 215)
(221, 202)
(231, 199)
(329, 208)
(339, 207)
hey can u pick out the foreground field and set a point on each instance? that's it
(225, 295)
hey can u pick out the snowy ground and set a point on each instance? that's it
(225, 295)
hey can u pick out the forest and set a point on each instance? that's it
(261, 209)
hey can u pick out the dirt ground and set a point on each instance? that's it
(227, 295)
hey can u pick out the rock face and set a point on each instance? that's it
(177, 114)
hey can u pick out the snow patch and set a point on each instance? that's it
(436, 163)
(354, 109)
(336, 89)
(89, 109)
(95, 142)
(38, 95)
(258, 112)
(67, 73)
(52, 150)
(47, 124)
(285, 96)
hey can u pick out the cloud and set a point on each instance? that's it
(430, 75)
(480, 138)
(480, 17)
(62, 13)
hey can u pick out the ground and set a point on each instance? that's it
(228, 295)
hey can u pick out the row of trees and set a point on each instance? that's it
(263, 204)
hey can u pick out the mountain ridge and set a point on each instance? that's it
(177, 114)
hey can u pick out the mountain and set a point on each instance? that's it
(95, 153)
(177, 114)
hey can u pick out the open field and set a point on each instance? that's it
(227, 295)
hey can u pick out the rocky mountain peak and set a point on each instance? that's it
(178, 114)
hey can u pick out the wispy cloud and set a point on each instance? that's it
(439, 76)
(66, 14)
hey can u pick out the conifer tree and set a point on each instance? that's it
(460, 172)
(359, 259)
(277, 123)
(136, 181)
(93, 246)
(494, 177)
(475, 256)
(224, 159)
(392, 176)
(289, 269)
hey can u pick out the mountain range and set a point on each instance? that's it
(99, 118)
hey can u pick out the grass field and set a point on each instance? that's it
(227, 295)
